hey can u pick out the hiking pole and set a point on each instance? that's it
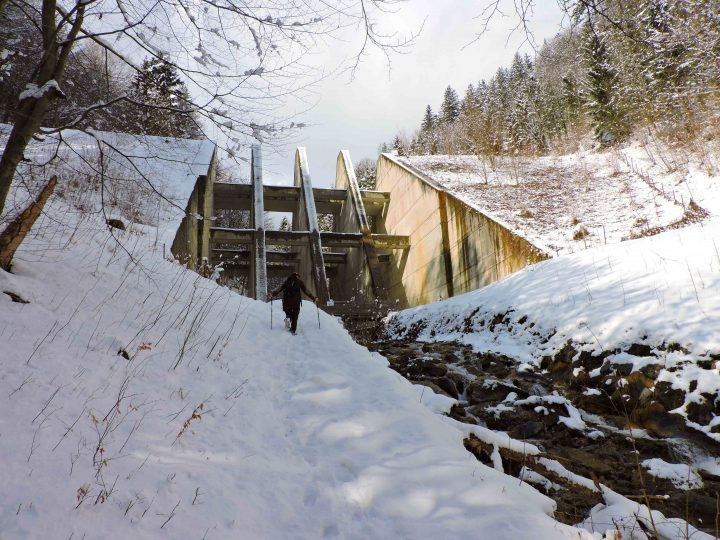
(271, 310)
(317, 306)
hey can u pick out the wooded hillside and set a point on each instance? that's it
(619, 67)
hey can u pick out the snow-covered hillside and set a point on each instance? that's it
(139, 400)
(564, 204)
(129, 172)
(659, 293)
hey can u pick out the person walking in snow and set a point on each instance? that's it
(292, 291)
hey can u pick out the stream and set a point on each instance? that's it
(579, 428)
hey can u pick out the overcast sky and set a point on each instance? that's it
(361, 113)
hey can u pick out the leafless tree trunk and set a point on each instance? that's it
(246, 59)
(34, 106)
(14, 234)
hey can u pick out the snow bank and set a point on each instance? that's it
(139, 400)
(149, 177)
(619, 518)
(681, 475)
(662, 288)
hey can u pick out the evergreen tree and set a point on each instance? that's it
(384, 148)
(426, 141)
(450, 108)
(571, 98)
(429, 121)
(666, 65)
(365, 173)
(602, 83)
(397, 144)
(518, 116)
(469, 103)
(165, 110)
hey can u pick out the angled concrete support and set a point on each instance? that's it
(206, 209)
(363, 267)
(258, 258)
(446, 247)
(192, 211)
(312, 264)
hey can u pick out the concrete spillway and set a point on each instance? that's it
(406, 243)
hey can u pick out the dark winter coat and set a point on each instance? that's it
(292, 291)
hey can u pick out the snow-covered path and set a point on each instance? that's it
(255, 434)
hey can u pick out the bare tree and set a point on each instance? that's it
(239, 59)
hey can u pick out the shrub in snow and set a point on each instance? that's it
(525, 213)
(580, 232)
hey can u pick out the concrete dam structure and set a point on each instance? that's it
(408, 242)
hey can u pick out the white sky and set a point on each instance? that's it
(360, 114)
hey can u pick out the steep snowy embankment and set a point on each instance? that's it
(564, 204)
(651, 304)
(138, 400)
(657, 289)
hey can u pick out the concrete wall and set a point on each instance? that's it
(191, 244)
(185, 245)
(416, 276)
(454, 248)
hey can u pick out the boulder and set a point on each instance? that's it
(653, 417)
(527, 430)
(623, 369)
(116, 224)
(490, 391)
(651, 371)
(670, 398)
(700, 412)
(448, 385)
(639, 349)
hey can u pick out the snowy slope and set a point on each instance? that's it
(136, 169)
(564, 204)
(215, 426)
(660, 292)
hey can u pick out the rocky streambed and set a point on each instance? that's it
(618, 434)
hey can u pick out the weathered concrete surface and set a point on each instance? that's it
(192, 245)
(312, 267)
(363, 277)
(185, 244)
(425, 243)
(454, 248)
(258, 263)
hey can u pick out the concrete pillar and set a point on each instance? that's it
(258, 256)
(203, 240)
(446, 248)
(363, 269)
(312, 265)
(206, 208)
(193, 230)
